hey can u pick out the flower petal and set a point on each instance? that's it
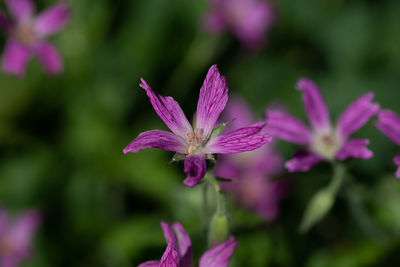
(389, 124)
(241, 140)
(302, 161)
(220, 255)
(15, 58)
(169, 111)
(149, 264)
(356, 115)
(19, 236)
(356, 148)
(4, 22)
(156, 139)
(49, 57)
(170, 257)
(397, 162)
(20, 9)
(52, 19)
(212, 100)
(214, 22)
(287, 127)
(177, 236)
(195, 169)
(317, 112)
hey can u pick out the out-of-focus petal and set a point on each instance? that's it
(169, 111)
(356, 148)
(15, 58)
(3, 219)
(241, 140)
(356, 115)
(226, 168)
(4, 22)
(149, 264)
(52, 19)
(170, 257)
(302, 161)
(157, 139)
(20, 9)
(49, 57)
(220, 255)
(287, 127)
(389, 124)
(19, 235)
(314, 104)
(195, 169)
(212, 100)
(397, 162)
(239, 111)
(214, 22)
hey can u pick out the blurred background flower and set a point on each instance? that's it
(61, 137)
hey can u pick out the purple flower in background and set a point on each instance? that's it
(254, 189)
(249, 20)
(204, 139)
(27, 36)
(323, 141)
(179, 250)
(16, 237)
(389, 124)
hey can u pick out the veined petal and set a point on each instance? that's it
(397, 162)
(15, 57)
(220, 255)
(356, 115)
(389, 124)
(156, 139)
(241, 140)
(195, 169)
(302, 161)
(212, 100)
(314, 104)
(356, 148)
(149, 264)
(52, 19)
(169, 111)
(49, 57)
(177, 236)
(20, 9)
(287, 127)
(170, 257)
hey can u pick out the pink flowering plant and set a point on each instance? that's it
(27, 35)
(389, 124)
(16, 237)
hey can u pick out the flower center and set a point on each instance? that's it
(195, 140)
(25, 32)
(326, 145)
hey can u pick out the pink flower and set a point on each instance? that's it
(27, 36)
(254, 188)
(323, 141)
(202, 140)
(389, 124)
(179, 250)
(249, 20)
(16, 236)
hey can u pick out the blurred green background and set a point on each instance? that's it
(61, 138)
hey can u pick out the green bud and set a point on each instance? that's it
(218, 130)
(317, 208)
(219, 229)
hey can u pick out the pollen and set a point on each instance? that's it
(195, 140)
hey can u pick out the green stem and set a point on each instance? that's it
(220, 207)
(339, 172)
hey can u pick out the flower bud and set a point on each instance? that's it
(219, 229)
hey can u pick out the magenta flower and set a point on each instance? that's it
(16, 237)
(203, 140)
(249, 20)
(179, 250)
(27, 36)
(389, 124)
(323, 141)
(254, 187)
